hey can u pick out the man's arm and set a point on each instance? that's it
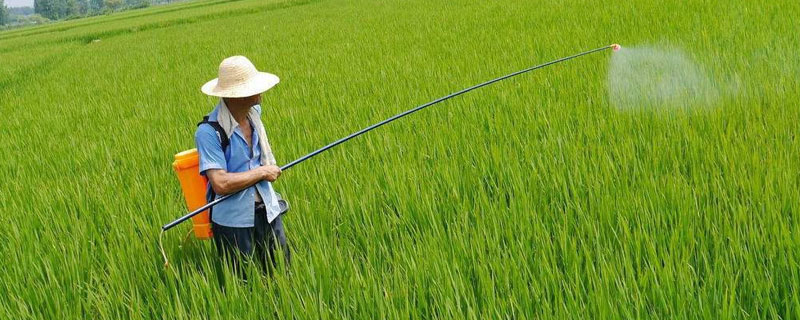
(213, 165)
(224, 182)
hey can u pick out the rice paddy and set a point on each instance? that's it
(555, 194)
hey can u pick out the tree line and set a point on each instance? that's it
(19, 16)
(61, 9)
(46, 10)
(4, 15)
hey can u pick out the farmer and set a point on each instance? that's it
(235, 153)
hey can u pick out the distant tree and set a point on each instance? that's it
(72, 8)
(112, 4)
(82, 7)
(95, 6)
(3, 13)
(59, 9)
(137, 3)
(46, 8)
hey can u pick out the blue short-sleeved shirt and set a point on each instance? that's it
(236, 211)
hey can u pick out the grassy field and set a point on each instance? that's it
(535, 197)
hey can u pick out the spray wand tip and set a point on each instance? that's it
(616, 47)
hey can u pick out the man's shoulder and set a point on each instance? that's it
(205, 132)
(206, 137)
(204, 129)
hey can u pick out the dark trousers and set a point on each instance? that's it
(237, 245)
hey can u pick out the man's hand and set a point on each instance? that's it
(270, 173)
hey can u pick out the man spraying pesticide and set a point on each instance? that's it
(245, 177)
(233, 153)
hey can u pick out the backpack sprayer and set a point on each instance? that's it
(194, 185)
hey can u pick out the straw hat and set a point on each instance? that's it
(239, 78)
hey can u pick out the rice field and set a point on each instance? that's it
(543, 196)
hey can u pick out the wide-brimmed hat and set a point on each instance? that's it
(239, 78)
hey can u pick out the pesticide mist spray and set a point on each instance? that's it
(646, 77)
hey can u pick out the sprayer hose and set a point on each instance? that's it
(374, 126)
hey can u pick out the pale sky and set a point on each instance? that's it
(19, 3)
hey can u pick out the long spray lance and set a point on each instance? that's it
(168, 226)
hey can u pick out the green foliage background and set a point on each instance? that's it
(3, 13)
(530, 198)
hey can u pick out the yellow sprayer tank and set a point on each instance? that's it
(194, 189)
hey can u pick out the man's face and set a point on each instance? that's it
(246, 101)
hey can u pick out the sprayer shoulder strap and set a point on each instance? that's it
(223, 137)
(224, 142)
